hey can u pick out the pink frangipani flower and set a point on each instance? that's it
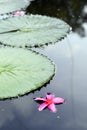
(49, 102)
(18, 13)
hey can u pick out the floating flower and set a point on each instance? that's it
(50, 101)
(18, 13)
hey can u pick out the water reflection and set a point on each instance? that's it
(70, 83)
(74, 12)
(79, 81)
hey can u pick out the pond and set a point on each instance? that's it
(69, 82)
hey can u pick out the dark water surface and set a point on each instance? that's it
(70, 81)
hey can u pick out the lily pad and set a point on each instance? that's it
(22, 71)
(32, 30)
(7, 6)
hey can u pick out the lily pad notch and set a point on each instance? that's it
(22, 71)
(32, 30)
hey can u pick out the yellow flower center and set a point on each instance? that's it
(49, 101)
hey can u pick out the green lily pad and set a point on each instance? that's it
(32, 30)
(22, 71)
(7, 6)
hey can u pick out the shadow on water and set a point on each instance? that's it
(74, 12)
(70, 81)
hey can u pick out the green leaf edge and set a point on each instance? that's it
(37, 87)
(41, 45)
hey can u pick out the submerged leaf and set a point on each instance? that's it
(7, 6)
(22, 71)
(32, 30)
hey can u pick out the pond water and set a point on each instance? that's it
(69, 82)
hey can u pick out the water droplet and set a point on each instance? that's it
(58, 117)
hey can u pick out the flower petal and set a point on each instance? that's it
(42, 106)
(40, 99)
(49, 96)
(18, 13)
(58, 100)
(52, 107)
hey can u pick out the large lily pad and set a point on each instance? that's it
(32, 30)
(7, 6)
(22, 71)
